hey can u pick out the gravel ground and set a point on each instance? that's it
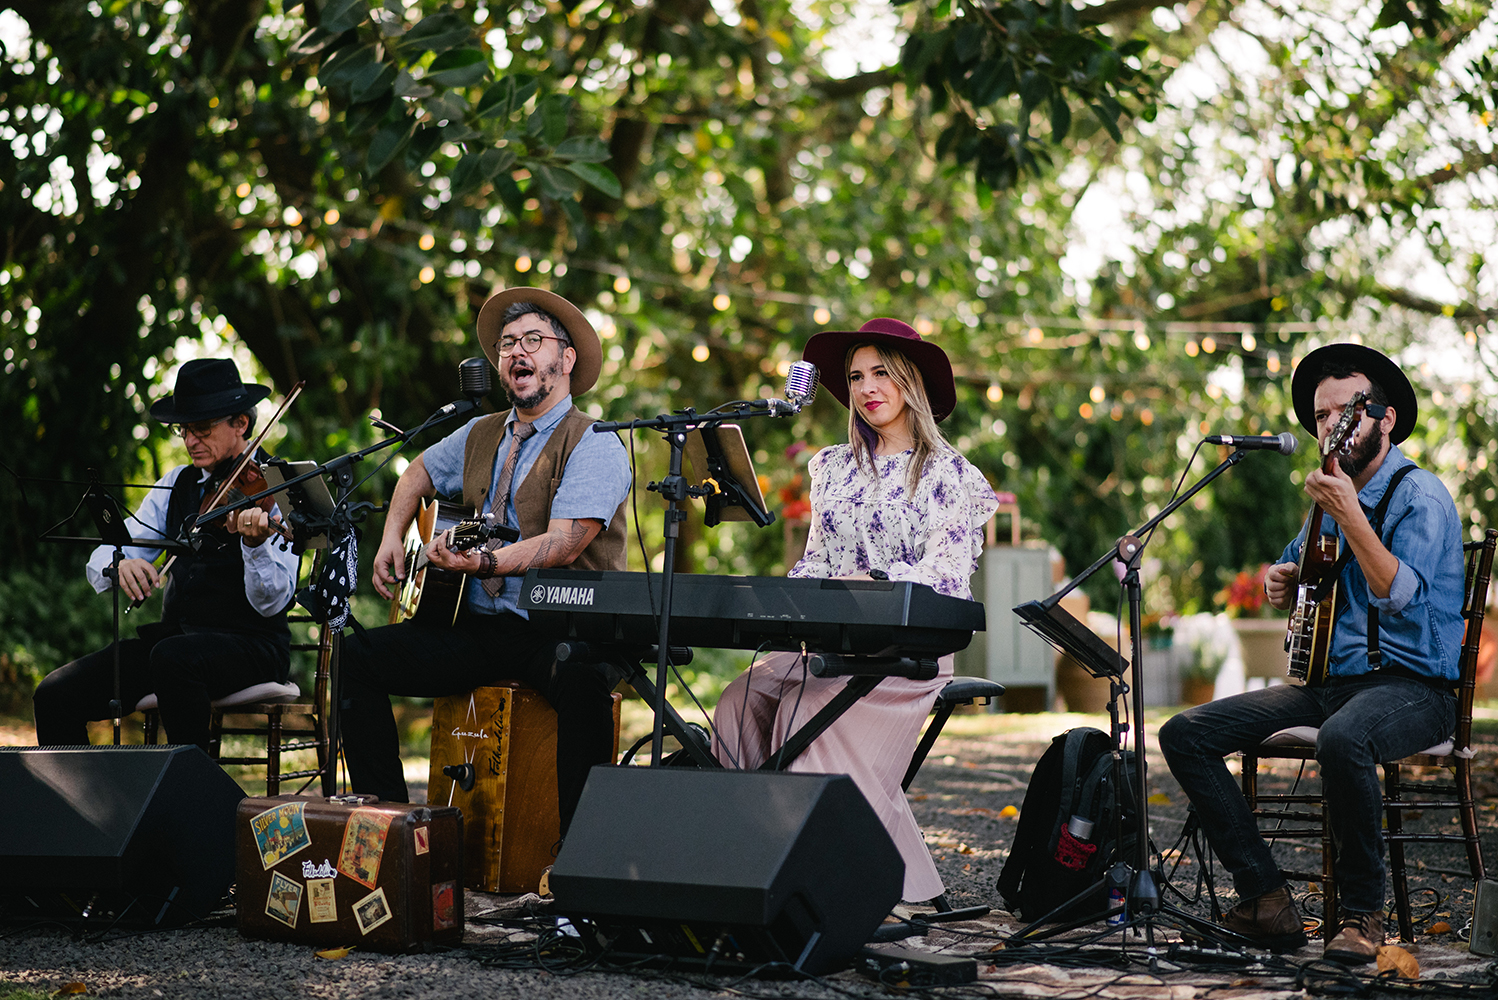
(981, 765)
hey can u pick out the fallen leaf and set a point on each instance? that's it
(967, 868)
(70, 989)
(1391, 956)
(1439, 927)
(973, 811)
(332, 954)
(968, 763)
(1008, 812)
(964, 849)
(1158, 799)
(997, 947)
(919, 798)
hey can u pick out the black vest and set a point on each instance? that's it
(205, 589)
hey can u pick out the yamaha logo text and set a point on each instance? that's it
(575, 596)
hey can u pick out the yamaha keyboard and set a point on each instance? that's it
(853, 617)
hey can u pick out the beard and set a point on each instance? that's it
(546, 379)
(1363, 452)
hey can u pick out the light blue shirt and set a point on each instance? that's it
(1420, 623)
(269, 571)
(594, 483)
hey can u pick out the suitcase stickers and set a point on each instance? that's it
(350, 871)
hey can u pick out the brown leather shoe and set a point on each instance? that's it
(1270, 921)
(1358, 939)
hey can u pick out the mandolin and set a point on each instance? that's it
(429, 594)
(1309, 639)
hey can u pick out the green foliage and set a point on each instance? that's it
(330, 191)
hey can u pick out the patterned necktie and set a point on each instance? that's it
(499, 504)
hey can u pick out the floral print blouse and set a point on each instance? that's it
(862, 520)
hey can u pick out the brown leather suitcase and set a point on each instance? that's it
(349, 871)
(508, 733)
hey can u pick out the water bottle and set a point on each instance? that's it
(1080, 827)
(1117, 895)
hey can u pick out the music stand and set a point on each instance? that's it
(310, 498)
(109, 521)
(1063, 631)
(721, 459)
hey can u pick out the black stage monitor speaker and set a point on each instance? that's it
(731, 868)
(139, 836)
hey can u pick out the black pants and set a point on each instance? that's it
(186, 669)
(428, 661)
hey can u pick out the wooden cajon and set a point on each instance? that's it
(508, 733)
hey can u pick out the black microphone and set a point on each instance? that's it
(1284, 443)
(475, 377)
(800, 390)
(475, 381)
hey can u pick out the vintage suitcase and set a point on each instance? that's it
(349, 871)
(508, 734)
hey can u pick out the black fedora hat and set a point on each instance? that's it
(829, 351)
(207, 388)
(1356, 358)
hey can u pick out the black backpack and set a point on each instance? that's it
(1047, 863)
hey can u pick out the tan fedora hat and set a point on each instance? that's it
(584, 338)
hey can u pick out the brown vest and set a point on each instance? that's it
(534, 495)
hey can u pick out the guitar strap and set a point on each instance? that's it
(1375, 655)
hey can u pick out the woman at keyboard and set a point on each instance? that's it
(897, 502)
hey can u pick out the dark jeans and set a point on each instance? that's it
(427, 661)
(186, 670)
(1362, 721)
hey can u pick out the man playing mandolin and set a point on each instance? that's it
(1381, 666)
(537, 467)
(223, 621)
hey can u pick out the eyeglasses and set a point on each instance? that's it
(199, 430)
(530, 341)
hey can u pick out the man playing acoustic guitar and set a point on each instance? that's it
(1374, 693)
(540, 468)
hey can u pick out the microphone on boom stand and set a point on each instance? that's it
(475, 381)
(800, 389)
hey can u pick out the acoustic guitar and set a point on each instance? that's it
(429, 594)
(1309, 639)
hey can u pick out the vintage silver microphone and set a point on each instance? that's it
(801, 384)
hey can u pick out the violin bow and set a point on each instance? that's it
(233, 476)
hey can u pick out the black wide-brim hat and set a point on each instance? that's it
(1377, 367)
(829, 352)
(584, 338)
(206, 389)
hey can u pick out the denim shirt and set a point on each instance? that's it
(1420, 623)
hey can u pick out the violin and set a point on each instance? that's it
(248, 481)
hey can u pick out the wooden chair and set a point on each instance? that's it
(1299, 743)
(276, 713)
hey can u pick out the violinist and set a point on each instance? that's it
(223, 625)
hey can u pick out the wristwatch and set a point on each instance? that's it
(878, 574)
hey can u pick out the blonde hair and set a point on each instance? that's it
(920, 424)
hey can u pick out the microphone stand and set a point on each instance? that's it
(1142, 892)
(675, 490)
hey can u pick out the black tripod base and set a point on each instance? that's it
(945, 914)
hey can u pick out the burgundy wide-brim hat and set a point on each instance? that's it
(206, 389)
(1378, 367)
(829, 352)
(584, 338)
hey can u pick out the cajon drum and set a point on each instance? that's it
(508, 733)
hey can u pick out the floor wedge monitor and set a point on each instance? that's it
(133, 836)
(729, 869)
